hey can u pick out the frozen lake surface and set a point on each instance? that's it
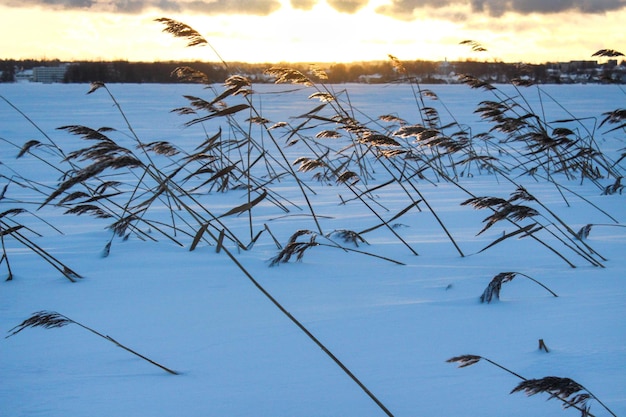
(392, 309)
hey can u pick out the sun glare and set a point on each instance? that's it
(325, 35)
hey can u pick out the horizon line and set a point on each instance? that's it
(365, 61)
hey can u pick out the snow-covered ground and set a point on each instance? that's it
(393, 326)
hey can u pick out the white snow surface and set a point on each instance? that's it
(393, 326)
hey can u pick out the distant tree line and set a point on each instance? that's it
(8, 67)
(162, 72)
(138, 72)
(371, 72)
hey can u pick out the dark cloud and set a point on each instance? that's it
(347, 6)
(497, 7)
(398, 8)
(402, 9)
(253, 7)
(66, 4)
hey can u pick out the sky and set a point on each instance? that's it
(272, 31)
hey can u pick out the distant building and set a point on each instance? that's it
(24, 76)
(49, 74)
(370, 78)
(573, 66)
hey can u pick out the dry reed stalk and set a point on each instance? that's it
(188, 74)
(475, 45)
(298, 248)
(562, 389)
(572, 237)
(107, 152)
(52, 320)
(182, 30)
(15, 233)
(358, 195)
(5, 258)
(607, 53)
(584, 231)
(513, 213)
(349, 236)
(493, 289)
(294, 175)
(306, 331)
(411, 185)
(468, 360)
(284, 75)
(570, 392)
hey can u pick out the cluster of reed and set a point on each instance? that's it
(242, 151)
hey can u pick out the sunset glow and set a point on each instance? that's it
(314, 30)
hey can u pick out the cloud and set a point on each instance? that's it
(400, 9)
(495, 8)
(252, 7)
(498, 7)
(343, 6)
(347, 6)
(303, 4)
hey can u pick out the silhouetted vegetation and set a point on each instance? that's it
(9, 67)
(372, 72)
(136, 72)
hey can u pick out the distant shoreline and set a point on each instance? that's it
(370, 72)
